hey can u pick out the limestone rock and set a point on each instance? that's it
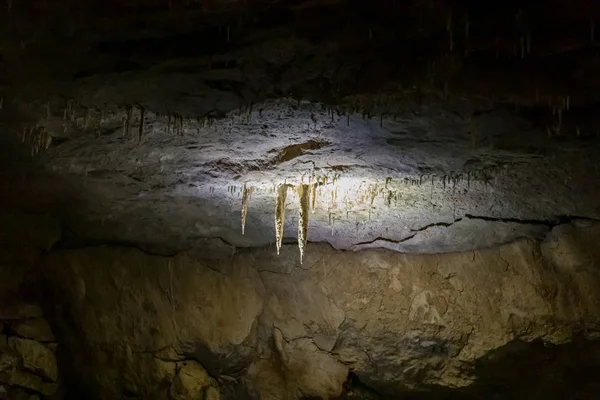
(28, 381)
(191, 383)
(266, 380)
(3, 342)
(169, 308)
(168, 354)
(36, 357)
(302, 359)
(8, 360)
(399, 322)
(211, 393)
(149, 372)
(34, 328)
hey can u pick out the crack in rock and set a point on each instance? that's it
(551, 223)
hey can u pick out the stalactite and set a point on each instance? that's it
(48, 141)
(313, 196)
(245, 197)
(280, 214)
(85, 118)
(304, 195)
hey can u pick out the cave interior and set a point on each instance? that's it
(299, 199)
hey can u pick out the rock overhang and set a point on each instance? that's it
(412, 147)
(408, 183)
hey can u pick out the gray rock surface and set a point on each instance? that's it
(385, 186)
(153, 139)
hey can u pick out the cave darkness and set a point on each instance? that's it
(299, 199)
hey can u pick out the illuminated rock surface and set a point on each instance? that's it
(270, 328)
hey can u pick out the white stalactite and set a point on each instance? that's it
(280, 214)
(304, 195)
(245, 197)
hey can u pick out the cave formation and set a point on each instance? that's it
(299, 199)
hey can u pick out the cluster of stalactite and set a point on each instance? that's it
(304, 192)
(37, 139)
(364, 195)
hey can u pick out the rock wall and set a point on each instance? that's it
(28, 366)
(28, 363)
(219, 323)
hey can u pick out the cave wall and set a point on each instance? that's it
(230, 323)
(29, 368)
(28, 363)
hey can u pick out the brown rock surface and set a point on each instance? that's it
(13, 311)
(284, 331)
(35, 357)
(28, 381)
(33, 328)
(192, 382)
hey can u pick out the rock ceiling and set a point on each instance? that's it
(418, 126)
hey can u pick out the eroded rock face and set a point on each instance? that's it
(254, 325)
(28, 367)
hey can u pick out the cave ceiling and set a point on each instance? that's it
(419, 126)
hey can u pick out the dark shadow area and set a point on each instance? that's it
(516, 371)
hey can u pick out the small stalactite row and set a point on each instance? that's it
(280, 214)
(328, 193)
(245, 197)
(36, 138)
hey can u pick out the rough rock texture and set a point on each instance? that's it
(132, 131)
(446, 126)
(376, 322)
(28, 368)
(34, 328)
